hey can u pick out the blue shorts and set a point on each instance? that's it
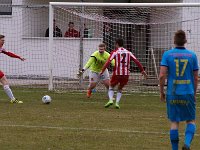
(181, 108)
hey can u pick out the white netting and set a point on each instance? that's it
(147, 32)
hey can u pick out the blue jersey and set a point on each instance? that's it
(180, 63)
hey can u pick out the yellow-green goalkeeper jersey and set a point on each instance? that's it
(97, 60)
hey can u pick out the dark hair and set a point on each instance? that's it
(120, 42)
(71, 22)
(2, 36)
(180, 38)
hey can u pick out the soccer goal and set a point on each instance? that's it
(53, 58)
(147, 29)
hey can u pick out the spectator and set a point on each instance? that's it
(86, 32)
(71, 32)
(56, 31)
(107, 29)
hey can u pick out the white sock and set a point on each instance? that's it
(110, 93)
(8, 91)
(119, 95)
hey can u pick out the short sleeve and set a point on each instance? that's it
(164, 60)
(195, 63)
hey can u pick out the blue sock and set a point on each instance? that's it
(189, 133)
(174, 137)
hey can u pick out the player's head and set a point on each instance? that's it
(119, 43)
(2, 40)
(102, 47)
(180, 38)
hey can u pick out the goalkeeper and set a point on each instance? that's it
(95, 64)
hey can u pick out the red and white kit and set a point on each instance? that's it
(122, 61)
(122, 65)
(2, 50)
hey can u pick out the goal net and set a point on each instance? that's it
(53, 62)
(147, 30)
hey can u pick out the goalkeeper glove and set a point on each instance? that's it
(80, 73)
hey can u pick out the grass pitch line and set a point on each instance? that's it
(91, 129)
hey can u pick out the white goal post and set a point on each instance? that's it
(147, 29)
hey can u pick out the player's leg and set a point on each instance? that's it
(113, 83)
(175, 117)
(106, 83)
(123, 81)
(7, 89)
(189, 134)
(181, 108)
(93, 79)
(190, 116)
(105, 78)
(111, 96)
(174, 135)
(119, 95)
(91, 86)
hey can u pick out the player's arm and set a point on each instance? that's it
(111, 57)
(139, 65)
(195, 72)
(105, 66)
(87, 65)
(12, 55)
(92, 60)
(195, 82)
(162, 77)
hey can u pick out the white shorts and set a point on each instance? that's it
(94, 76)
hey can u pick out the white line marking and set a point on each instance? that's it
(91, 129)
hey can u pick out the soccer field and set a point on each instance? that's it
(74, 122)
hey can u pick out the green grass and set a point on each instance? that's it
(74, 122)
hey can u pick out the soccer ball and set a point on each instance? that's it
(46, 99)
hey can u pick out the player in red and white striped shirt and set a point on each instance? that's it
(3, 78)
(121, 70)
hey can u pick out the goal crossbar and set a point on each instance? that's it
(127, 4)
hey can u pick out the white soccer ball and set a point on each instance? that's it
(46, 99)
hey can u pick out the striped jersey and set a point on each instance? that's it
(122, 59)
